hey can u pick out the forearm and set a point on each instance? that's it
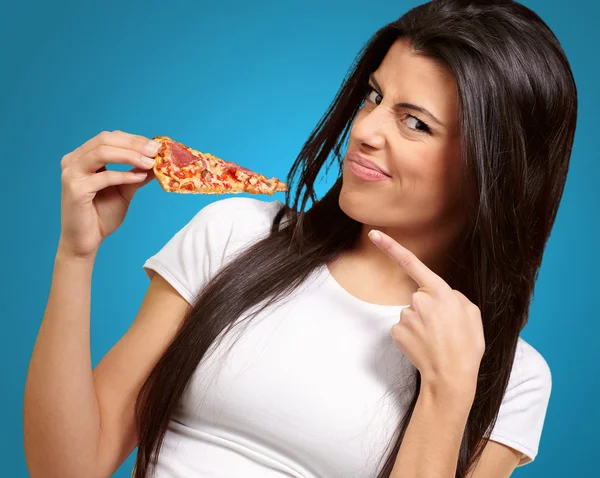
(61, 415)
(432, 440)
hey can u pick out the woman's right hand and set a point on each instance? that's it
(95, 200)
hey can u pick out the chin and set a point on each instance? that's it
(362, 205)
(374, 204)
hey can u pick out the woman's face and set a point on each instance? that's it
(420, 155)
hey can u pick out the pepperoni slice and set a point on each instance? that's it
(182, 157)
(236, 167)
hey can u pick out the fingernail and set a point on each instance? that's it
(149, 162)
(140, 175)
(152, 147)
(375, 236)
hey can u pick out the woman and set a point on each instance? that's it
(352, 355)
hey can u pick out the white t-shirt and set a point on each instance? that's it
(315, 387)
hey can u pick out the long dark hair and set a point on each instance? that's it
(518, 108)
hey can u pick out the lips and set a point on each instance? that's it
(367, 163)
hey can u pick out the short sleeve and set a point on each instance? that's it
(212, 237)
(523, 410)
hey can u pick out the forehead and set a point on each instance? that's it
(407, 76)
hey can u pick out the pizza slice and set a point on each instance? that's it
(181, 169)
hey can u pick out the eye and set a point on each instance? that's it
(418, 125)
(373, 96)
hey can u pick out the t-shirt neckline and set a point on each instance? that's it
(336, 287)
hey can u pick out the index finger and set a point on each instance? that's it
(413, 266)
(120, 139)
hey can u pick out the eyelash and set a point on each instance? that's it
(426, 129)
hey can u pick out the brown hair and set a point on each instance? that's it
(518, 108)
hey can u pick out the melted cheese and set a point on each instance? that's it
(189, 177)
(182, 177)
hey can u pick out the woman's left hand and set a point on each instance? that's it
(441, 332)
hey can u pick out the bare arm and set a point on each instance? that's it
(61, 419)
(78, 422)
(120, 374)
(432, 441)
(497, 461)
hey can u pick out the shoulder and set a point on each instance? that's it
(222, 227)
(530, 379)
(232, 219)
(242, 204)
(523, 409)
(530, 365)
(213, 236)
(234, 209)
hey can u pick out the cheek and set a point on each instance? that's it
(430, 177)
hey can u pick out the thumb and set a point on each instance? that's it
(129, 190)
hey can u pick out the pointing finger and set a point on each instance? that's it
(413, 266)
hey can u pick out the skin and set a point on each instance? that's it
(410, 221)
(80, 422)
(420, 205)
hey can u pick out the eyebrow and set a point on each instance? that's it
(420, 109)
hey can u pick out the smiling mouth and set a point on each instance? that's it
(366, 173)
(367, 164)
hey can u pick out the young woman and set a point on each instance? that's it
(372, 334)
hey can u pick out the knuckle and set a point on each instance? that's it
(100, 181)
(406, 260)
(68, 176)
(406, 314)
(64, 162)
(396, 332)
(475, 309)
(104, 136)
(418, 297)
(101, 151)
(133, 143)
(461, 297)
(107, 176)
(121, 177)
(142, 144)
(64, 176)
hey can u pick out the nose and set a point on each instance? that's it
(369, 128)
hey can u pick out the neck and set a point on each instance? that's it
(431, 247)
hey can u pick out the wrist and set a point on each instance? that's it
(65, 255)
(458, 394)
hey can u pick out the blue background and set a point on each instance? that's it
(249, 82)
